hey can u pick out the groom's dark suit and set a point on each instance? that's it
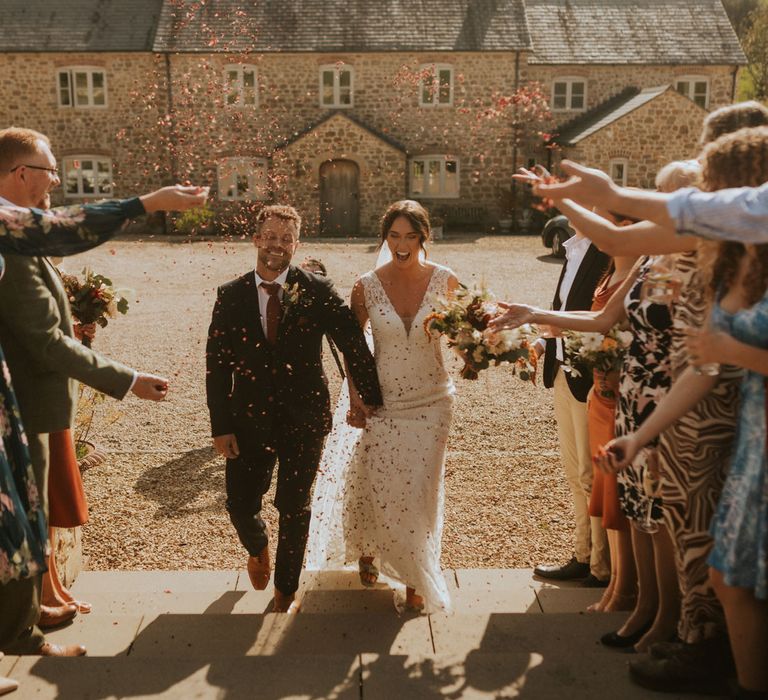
(274, 399)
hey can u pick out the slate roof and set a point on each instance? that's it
(611, 110)
(78, 25)
(326, 117)
(342, 25)
(632, 31)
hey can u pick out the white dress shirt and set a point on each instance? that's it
(264, 295)
(576, 248)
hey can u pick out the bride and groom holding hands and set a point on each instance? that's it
(379, 497)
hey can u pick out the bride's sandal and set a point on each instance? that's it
(369, 573)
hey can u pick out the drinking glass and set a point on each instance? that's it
(709, 369)
(662, 282)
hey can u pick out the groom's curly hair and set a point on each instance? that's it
(278, 211)
(414, 212)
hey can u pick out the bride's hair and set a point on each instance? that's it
(414, 212)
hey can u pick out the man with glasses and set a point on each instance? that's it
(268, 395)
(46, 362)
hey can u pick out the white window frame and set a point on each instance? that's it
(624, 163)
(252, 168)
(569, 81)
(337, 69)
(425, 161)
(238, 86)
(70, 72)
(68, 164)
(690, 81)
(434, 69)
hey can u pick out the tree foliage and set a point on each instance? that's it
(755, 43)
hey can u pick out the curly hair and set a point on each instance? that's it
(731, 118)
(415, 213)
(739, 159)
(278, 211)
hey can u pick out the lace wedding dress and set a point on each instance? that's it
(380, 491)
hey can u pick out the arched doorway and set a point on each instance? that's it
(339, 198)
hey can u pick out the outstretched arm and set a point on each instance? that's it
(70, 230)
(590, 321)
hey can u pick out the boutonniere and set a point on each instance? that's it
(291, 296)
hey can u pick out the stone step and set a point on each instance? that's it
(230, 592)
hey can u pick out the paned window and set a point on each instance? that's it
(336, 86)
(243, 179)
(569, 94)
(87, 176)
(695, 88)
(82, 87)
(241, 87)
(617, 169)
(436, 85)
(434, 176)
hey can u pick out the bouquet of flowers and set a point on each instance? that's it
(464, 321)
(596, 351)
(93, 299)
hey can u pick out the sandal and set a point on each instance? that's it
(369, 573)
(413, 602)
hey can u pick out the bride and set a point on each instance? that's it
(380, 492)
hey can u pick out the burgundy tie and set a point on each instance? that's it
(273, 310)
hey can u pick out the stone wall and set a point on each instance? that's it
(381, 171)
(128, 130)
(605, 81)
(666, 128)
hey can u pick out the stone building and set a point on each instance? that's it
(343, 107)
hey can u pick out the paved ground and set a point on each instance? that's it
(157, 503)
(209, 635)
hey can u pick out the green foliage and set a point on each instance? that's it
(755, 44)
(194, 221)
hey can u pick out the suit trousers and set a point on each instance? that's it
(591, 542)
(297, 453)
(20, 600)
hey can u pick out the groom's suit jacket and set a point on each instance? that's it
(44, 358)
(248, 379)
(592, 268)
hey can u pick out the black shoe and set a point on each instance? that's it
(676, 674)
(619, 641)
(593, 582)
(572, 570)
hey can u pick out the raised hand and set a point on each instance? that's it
(226, 446)
(150, 387)
(514, 315)
(175, 198)
(586, 186)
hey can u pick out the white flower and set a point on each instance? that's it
(624, 338)
(112, 308)
(591, 342)
(478, 355)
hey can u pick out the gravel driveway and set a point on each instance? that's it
(158, 501)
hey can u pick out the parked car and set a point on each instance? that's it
(556, 232)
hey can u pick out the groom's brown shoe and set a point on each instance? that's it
(286, 603)
(259, 569)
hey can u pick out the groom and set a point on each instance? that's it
(268, 395)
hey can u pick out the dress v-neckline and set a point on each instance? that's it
(418, 309)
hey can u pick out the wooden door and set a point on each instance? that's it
(339, 198)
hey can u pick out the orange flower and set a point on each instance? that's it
(609, 343)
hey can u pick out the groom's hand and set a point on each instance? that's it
(150, 387)
(226, 446)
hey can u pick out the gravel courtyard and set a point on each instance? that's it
(157, 502)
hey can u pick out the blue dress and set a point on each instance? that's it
(740, 525)
(61, 231)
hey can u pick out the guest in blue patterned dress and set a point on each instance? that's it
(738, 335)
(60, 232)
